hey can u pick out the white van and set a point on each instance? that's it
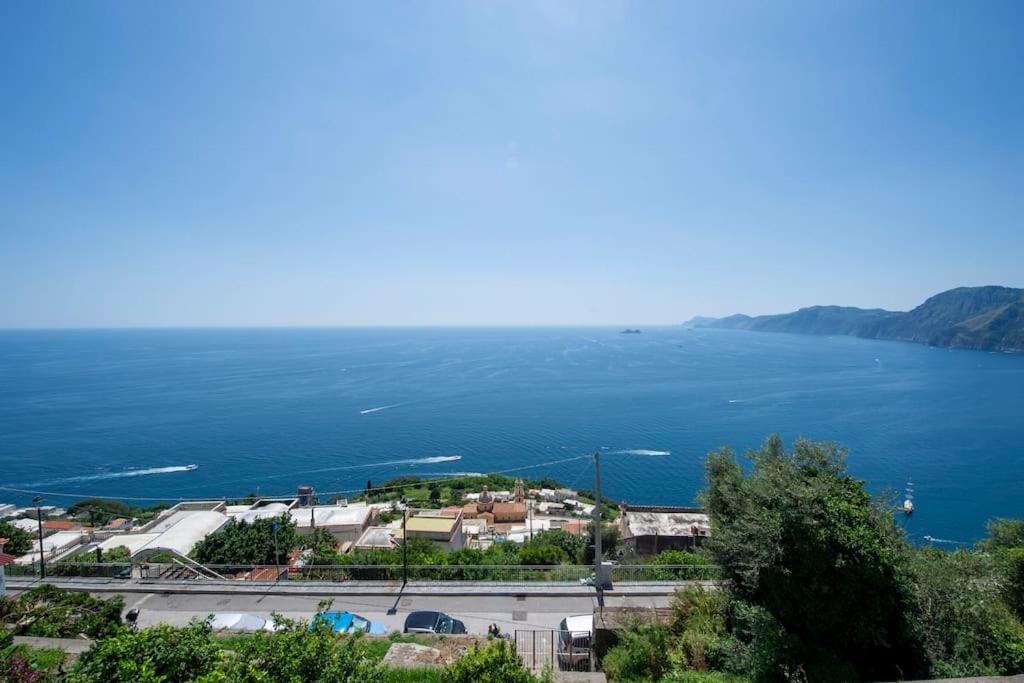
(574, 639)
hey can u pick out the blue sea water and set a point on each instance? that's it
(120, 413)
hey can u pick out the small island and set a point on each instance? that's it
(629, 331)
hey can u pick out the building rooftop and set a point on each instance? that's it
(53, 543)
(654, 520)
(263, 509)
(176, 530)
(331, 515)
(377, 537)
(440, 525)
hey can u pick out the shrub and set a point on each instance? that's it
(641, 655)
(297, 653)
(496, 663)
(159, 654)
(542, 555)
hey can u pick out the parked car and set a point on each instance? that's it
(432, 622)
(347, 622)
(574, 639)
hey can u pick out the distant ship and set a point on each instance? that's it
(629, 331)
(908, 502)
(189, 468)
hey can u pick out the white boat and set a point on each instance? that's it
(189, 468)
(908, 502)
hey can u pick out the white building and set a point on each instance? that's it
(445, 532)
(266, 508)
(176, 531)
(376, 538)
(54, 546)
(345, 523)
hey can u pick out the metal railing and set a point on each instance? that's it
(520, 574)
(550, 649)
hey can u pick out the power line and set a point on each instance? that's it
(375, 489)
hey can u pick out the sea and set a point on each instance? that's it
(124, 413)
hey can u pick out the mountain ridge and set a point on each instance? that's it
(987, 318)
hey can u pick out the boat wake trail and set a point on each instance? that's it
(379, 408)
(432, 460)
(122, 475)
(453, 474)
(429, 460)
(642, 451)
(932, 539)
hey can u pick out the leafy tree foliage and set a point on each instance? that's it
(1004, 534)
(496, 663)
(18, 542)
(571, 544)
(966, 629)
(801, 538)
(541, 554)
(51, 612)
(104, 509)
(297, 653)
(160, 654)
(611, 539)
(249, 543)
(1012, 564)
(113, 555)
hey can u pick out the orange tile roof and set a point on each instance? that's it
(60, 525)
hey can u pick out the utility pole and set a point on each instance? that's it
(598, 580)
(277, 553)
(405, 547)
(92, 522)
(38, 500)
(529, 507)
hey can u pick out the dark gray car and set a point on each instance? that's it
(432, 622)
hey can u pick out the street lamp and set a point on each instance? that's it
(38, 500)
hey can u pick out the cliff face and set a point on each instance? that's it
(985, 318)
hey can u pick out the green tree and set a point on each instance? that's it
(248, 543)
(18, 542)
(800, 537)
(1012, 564)
(297, 653)
(435, 493)
(967, 630)
(160, 654)
(542, 555)
(1004, 534)
(571, 544)
(611, 539)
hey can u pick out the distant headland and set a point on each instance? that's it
(983, 318)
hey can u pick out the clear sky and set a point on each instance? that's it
(548, 162)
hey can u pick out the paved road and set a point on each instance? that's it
(509, 612)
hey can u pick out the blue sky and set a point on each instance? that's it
(257, 163)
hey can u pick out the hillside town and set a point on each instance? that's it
(483, 519)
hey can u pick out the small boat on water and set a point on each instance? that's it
(189, 468)
(908, 502)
